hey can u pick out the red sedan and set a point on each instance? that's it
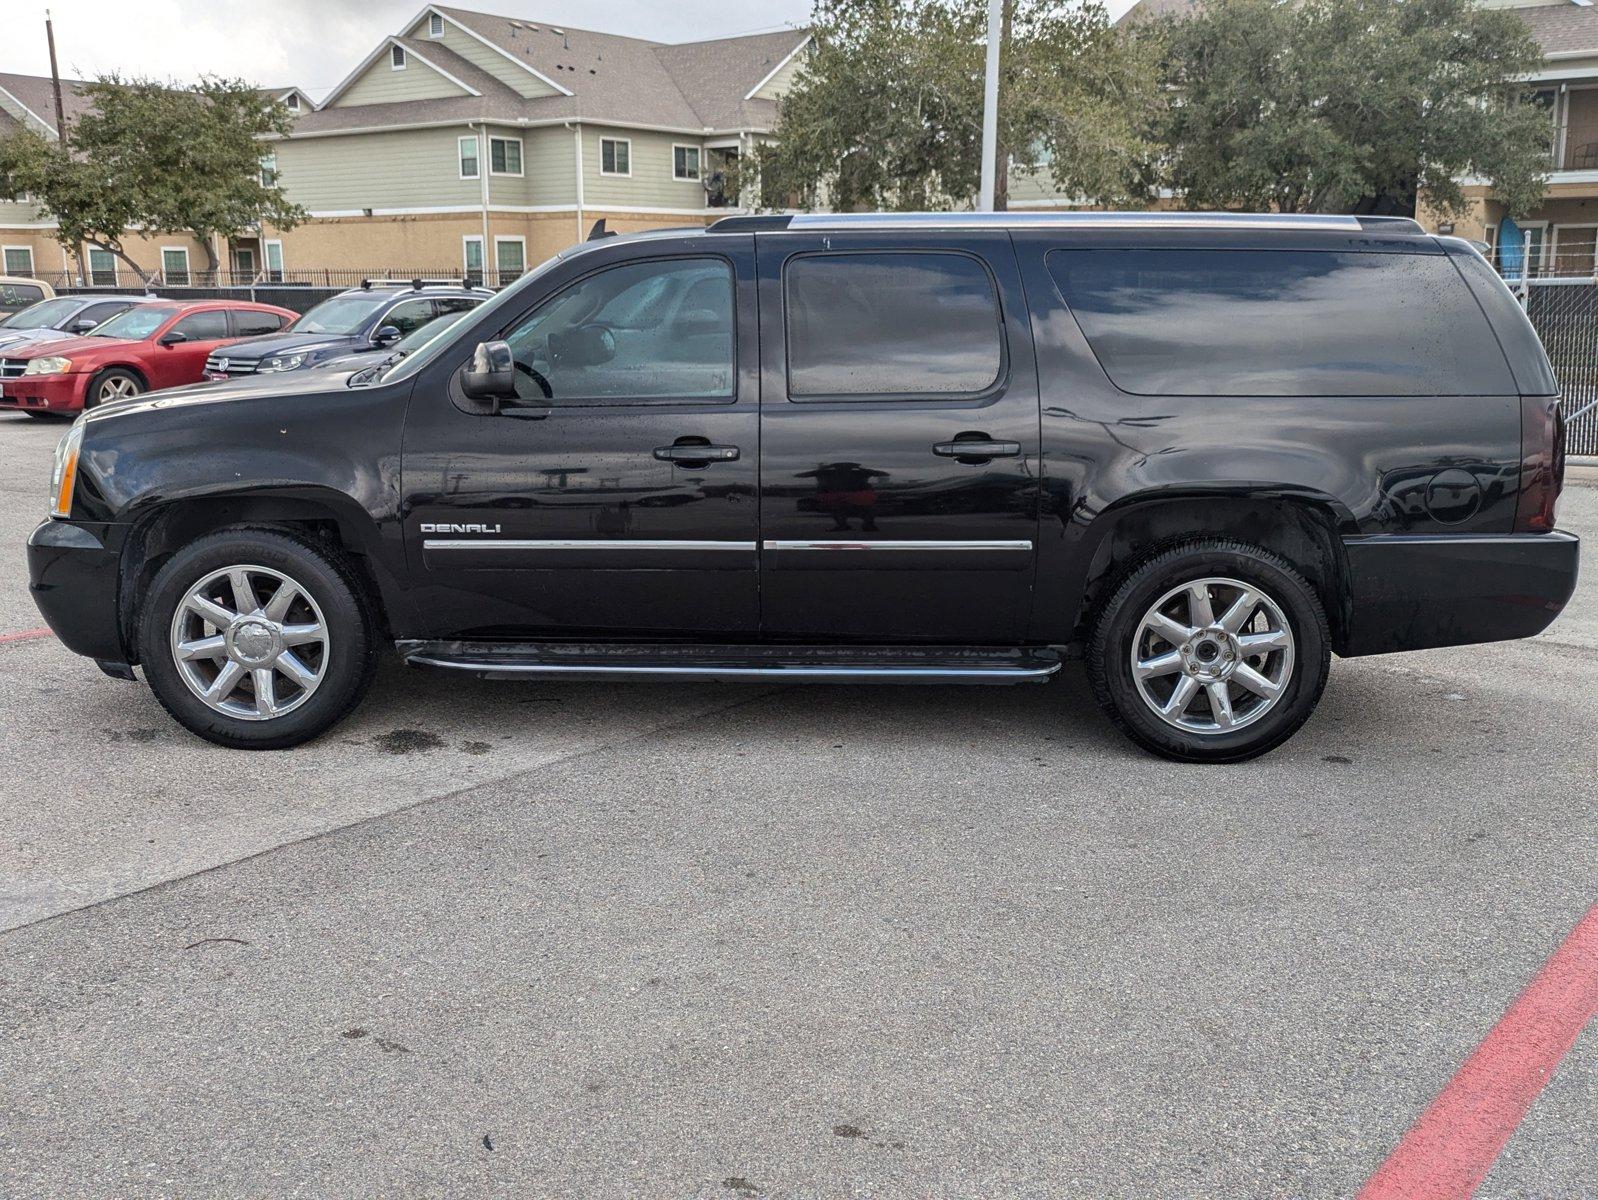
(146, 348)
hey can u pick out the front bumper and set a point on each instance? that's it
(44, 393)
(1413, 593)
(72, 575)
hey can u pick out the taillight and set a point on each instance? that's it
(1542, 463)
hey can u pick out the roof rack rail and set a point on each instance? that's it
(1326, 222)
(415, 285)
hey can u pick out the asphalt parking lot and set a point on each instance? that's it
(629, 940)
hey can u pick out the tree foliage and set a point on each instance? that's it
(156, 157)
(1340, 105)
(887, 112)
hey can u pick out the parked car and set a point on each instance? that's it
(145, 349)
(1203, 452)
(17, 292)
(374, 316)
(411, 342)
(63, 317)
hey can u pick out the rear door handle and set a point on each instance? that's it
(696, 452)
(976, 448)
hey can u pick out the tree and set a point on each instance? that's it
(887, 111)
(167, 159)
(1351, 105)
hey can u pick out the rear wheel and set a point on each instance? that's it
(1213, 651)
(257, 639)
(115, 383)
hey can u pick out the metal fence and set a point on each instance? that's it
(1565, 314)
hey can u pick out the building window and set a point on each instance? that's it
(685, 162)
(274, 261)
(472, 258)
(269, 170)
(505, 156)
(175, 264)
(396, 57)
(615, 156)
(510, 258)
(435, 25)
(19, 260)
(102, 267)
(292, 101)
(468, 152)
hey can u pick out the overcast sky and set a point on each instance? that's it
(315, 43)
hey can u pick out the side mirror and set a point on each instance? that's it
(83, 326)
(491, 375)
(386, 336)
(173, 338)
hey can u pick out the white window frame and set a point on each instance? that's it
(628, 142)
(699, 160)
(501, 238)
(5, 267)
(266, 255)
(477, 155)
(521, 157)
(270, 157)
(1552, 240)
(292, 102)
(188, 271)
(396, 58)
(482, 254)
(435, 25)
(88, 263)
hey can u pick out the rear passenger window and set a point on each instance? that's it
(1281, 323)
(253, 324)
(891, 324)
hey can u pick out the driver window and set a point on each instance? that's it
(644, 331)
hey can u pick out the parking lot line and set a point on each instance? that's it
(1450, 1149)
(27, 635)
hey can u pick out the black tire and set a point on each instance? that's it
(1110, 647)
(321, 571)
(109, 380)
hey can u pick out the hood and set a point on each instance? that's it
(256, 348)
(261, 389)
(356, 361)
(23, 337)
(66, 345)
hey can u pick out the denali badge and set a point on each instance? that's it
(426, 528)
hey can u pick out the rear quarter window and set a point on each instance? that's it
(1281, 323)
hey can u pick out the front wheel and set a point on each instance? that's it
(1212, 651)
(257, 639)
(111, 385)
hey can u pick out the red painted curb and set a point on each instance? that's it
(27, 635)
(1449, 1150)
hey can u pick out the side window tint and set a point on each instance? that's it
(408, 317)
(100, 313)
(455, 304)
(1280, 323)
(891, 324)
(253, 324)
(208, 326)
(644, 331)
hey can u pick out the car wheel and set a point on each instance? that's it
(258, 639)
(114, 383)
(1211, 651)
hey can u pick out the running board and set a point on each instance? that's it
(795, 664)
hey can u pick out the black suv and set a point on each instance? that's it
(371, 317)
(1202, 451)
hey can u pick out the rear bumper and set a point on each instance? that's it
(44, 393)
(1412, 593)
(72, 575)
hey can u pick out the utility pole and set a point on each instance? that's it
(55, 81)
(990, 105)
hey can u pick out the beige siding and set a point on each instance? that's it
(651, 184)
(382, 84)
(491, 60)
(777, 86)
(409, 168)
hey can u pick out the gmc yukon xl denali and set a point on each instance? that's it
(1203, 452)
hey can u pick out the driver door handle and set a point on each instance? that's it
(976, 448)
(696, 452)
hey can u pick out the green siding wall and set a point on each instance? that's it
(15, 212)
(779, 83)
(489, 59)
(651, 184)
(548, 169)
(382, 84)
(412, 168)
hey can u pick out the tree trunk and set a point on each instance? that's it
(116, 249)
(1001, 154)
(212, 264)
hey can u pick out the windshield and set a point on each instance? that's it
(341, 314)
(43, 315)
(137, 323)
(415, 361)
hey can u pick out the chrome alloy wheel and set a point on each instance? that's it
(250, 642)
(1207, 673)
(118, 387)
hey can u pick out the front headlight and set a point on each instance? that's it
(48, 366)
(286, 362)
(65, 478)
